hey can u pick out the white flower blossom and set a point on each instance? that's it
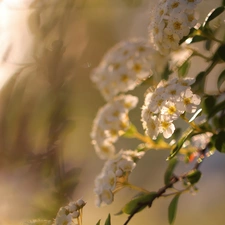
(169, 100)
(200, 141)
(67, 214)
(125, 66)
(114, 173)
(171, 20)
(111, 121)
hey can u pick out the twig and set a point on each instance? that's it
(173, 180)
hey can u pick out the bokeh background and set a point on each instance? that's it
(47, 105)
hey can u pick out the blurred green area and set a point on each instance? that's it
(48, 104)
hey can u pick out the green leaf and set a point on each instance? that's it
(98, 223)
(221, 53)
(130, 131)
(138, 204)
(208, 103)
(197, 113)
(108, 220)
(221, 79)
(223, 2)
(213, 14)
(220, 142)
(166, 72)
(169, 171)
(208, 44)
(172, 210)
(198, 86)
(182, 71)
(220, 106)
(118, 213)
(194, 176)
(180, 143)
(198, 38)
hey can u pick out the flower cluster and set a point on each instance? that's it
(200, 141)
(114, 175)
(123, 67)
(165, 104)
(111, 121)
(67, 214)
(171, 21)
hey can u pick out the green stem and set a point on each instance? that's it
(144, 138)
(196, 53)
(177, 192)
(193, 124)
(133, 187)
(210, 37)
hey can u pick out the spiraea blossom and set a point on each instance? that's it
(111, 121)
(114, 175)
(165, 104)
(200, 141)
(67, 214)
(125, 66)
(171, 20)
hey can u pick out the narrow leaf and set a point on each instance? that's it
(182, 71)
(208, 44)
(198, 86)
(220, 142)
(169, 172)
(108, 220)
(166, 72)
(138, 204)
(118, 213)
(98, 223)
(208, 103)
(221, 79)
(180, 143)
(197, 113)
(198, 38)
(221, 52)
(216, 109)
(172, 210)
(213, 14)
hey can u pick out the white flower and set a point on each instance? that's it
(115, 170)
(169, 100)
(111, 121)
(72, 207)
(151, 126)
(166, 126)
(80, 203)
(126, 165)
(67, 213)
(125, 66)
(75, 214)
(171, 20)
(172, 110)
(63, 217)
(190, 101)
(109, 180)
(105, 196)
(200, 141)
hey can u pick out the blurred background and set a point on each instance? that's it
(47, 105)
